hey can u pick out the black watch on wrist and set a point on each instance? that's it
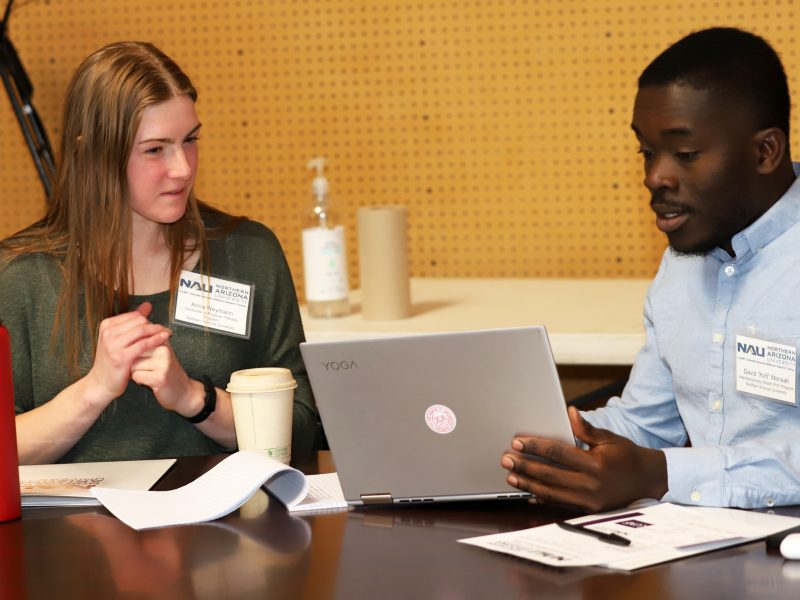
(210, 402)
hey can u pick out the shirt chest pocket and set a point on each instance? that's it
(693, 363)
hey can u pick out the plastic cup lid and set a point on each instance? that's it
(268, 379)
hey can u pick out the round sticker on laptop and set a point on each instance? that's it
(440, 419)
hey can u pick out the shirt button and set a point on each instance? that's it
(718, 337)
(717, 405)
(730, 270)
(770, 501)
(695, 496)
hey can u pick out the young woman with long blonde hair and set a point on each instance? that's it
(105, 367)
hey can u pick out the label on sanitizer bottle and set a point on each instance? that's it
(324, 263)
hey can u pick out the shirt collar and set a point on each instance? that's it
(780, 217)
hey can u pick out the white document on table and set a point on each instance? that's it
(219, 492)
(657, 534)
(69, 484)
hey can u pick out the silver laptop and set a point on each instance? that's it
(426, 418)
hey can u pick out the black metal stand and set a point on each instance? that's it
(20, 92)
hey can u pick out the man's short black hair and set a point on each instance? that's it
(732, 64)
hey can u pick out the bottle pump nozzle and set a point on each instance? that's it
(319, 186)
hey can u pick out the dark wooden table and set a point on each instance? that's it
(261, 551)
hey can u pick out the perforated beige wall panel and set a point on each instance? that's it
(502, 125)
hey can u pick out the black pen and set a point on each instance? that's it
(611, 538)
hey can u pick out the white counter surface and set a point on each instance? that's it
(589, 321)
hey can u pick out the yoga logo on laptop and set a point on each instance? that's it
(440, 419)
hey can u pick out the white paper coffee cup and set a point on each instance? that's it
(262, 401)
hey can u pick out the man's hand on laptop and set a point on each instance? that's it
(613, 472)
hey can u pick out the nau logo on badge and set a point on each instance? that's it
(196, 285)
(750, 349)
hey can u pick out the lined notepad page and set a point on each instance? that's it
(324, 492)
(221, 490)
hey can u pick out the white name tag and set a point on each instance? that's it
(766, 369)
(220, 305)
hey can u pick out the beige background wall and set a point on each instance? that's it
(503, 125)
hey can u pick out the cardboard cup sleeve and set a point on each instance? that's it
(383, 262)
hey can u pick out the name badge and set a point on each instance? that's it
(766, 369)
(219, 305)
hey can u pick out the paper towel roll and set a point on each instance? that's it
(383, 261)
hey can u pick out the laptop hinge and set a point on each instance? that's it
(376, 498)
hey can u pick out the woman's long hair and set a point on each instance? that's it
(87, 226)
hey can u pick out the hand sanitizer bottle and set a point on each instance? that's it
(324, 257)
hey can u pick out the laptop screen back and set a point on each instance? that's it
(428, 417)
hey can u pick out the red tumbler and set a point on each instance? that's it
(9, 462)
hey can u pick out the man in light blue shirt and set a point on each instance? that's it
(710, 415)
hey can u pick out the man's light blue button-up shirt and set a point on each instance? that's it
(723, 447)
